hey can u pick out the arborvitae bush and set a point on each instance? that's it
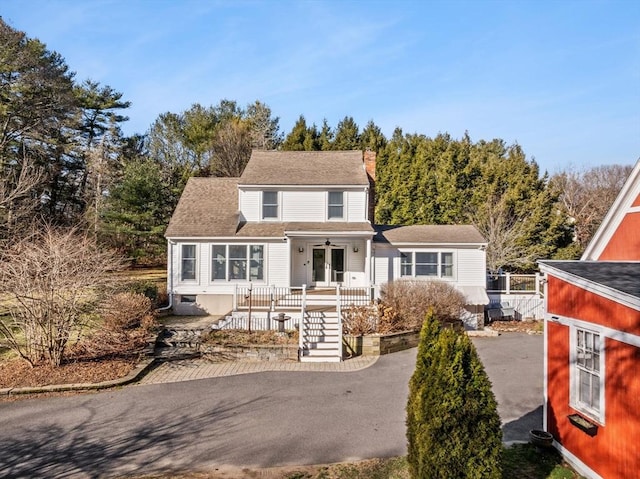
(453, 427)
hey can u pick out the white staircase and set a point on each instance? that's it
(321, 335)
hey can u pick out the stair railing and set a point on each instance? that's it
(339, 312)
(301, 326)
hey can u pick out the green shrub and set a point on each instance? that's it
(453, 427)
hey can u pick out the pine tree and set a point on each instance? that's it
(453, 428)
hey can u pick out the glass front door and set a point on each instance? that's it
(319, 266)
(327, 266)
(337, 265)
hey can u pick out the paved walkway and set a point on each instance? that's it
(189, 369)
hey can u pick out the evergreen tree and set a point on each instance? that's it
(453, 427)
(347, 135)
(302, 137)
(372, 137)
(325, 139)
(137, 212)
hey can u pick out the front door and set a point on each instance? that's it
(327, 266)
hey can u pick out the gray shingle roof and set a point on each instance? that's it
(208, 207)
(305, 168)
(429, 234)
(623, 276)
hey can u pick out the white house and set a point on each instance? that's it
(297, 220)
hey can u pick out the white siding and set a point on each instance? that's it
(383, 264)
(356, 203)
(471, 267)
(299, 263)
(277, 257)
(304, 206)
(354, 276)
(250, 202)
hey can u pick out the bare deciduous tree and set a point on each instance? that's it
(17, 201)
(50, 280)
(231, 149)
(506, 234)
(587, 195)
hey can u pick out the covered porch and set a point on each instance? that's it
(328, 255)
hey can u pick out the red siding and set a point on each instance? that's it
(566, 299)
(613, 452)
(637, 201)
(625, 242)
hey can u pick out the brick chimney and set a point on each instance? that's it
(369, 158)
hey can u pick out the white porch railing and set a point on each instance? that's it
(273, 298)
(515, 283)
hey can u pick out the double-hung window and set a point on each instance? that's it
(587, 384)
(336, 205)
(269, 205)
(427, 264)
(188, 270)
(237, 262)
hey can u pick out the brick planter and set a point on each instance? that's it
(378, 344)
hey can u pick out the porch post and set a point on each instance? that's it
(367, 264)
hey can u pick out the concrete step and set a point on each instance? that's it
(328, 358)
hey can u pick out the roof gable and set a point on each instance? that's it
(617, 237)
(300, 168)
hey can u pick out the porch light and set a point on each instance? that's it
(355, 249)
(300, 249)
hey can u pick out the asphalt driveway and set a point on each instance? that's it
(253, 420)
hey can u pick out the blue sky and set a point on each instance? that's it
(561, 78)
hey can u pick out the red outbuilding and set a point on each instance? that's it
(592, 346)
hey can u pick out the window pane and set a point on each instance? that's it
(426, 270)
(426, 264)
(238, 262)
(336, 204)
(595, 394)
(269, 204)
(406, 264)
(585, 388)
(431, 258)
(188, 262)
(447, 265)
(257, 263)
(218, 262)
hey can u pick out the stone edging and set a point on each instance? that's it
(141, 369)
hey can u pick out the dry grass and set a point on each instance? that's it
(229, 337)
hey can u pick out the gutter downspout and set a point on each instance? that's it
(170, 245)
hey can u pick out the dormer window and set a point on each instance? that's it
(336, 205)
(269, 205)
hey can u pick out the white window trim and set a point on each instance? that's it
(344, 206)
(279, 205)
(226, 260)
(574, 403)
(439, 276)
(195, 266)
